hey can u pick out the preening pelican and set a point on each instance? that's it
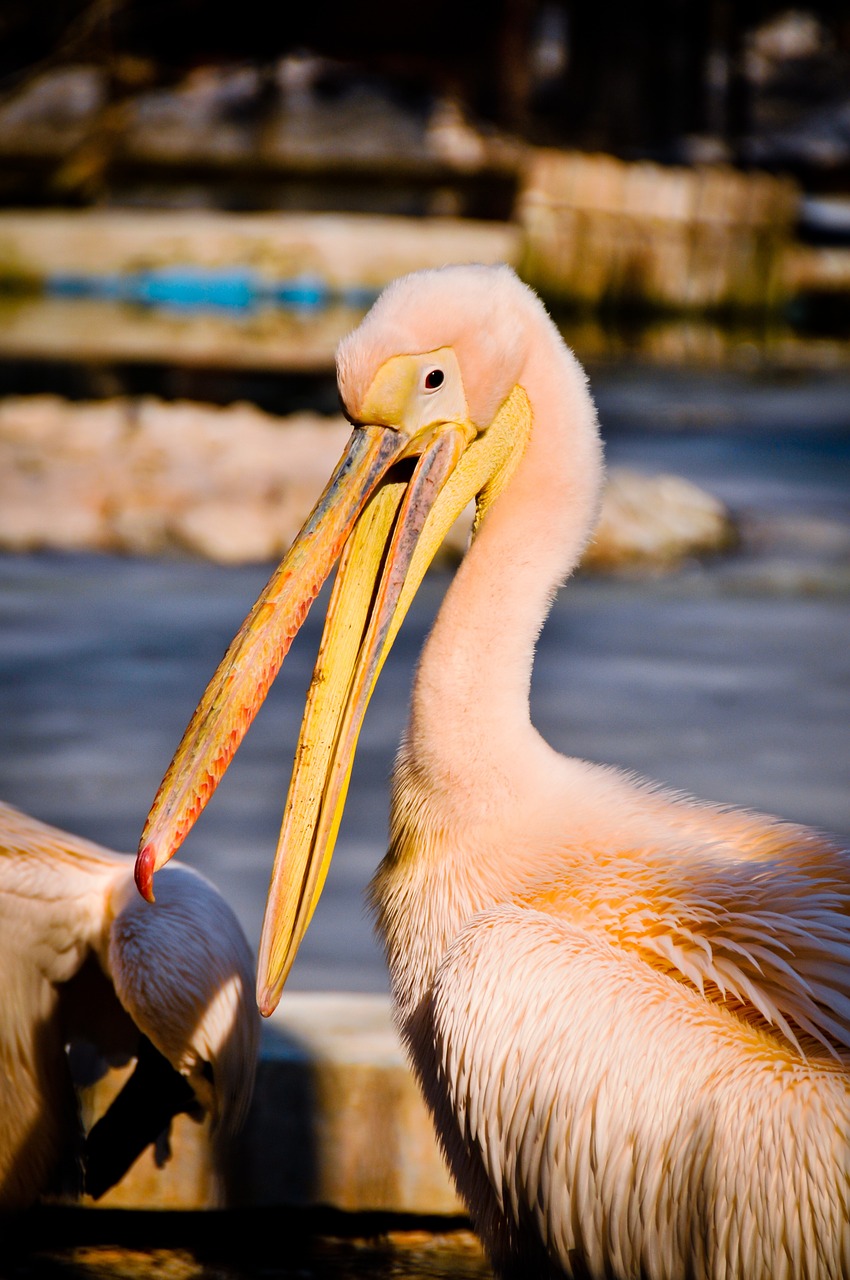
(629, 1011)
(91, 976)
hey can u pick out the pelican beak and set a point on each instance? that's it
(236, 691)
(406, 476)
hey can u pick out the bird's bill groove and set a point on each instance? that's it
(383, 563)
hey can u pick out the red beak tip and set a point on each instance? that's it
(267, 1002)
(145, 867)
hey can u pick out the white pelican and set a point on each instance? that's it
(91, 976)
(629, 1011)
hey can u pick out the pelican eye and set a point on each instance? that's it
(434, 378)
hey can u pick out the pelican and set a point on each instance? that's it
(628, 1010)
(92, 977)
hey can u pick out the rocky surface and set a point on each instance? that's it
(234, 485)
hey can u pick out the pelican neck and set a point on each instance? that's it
(473, 682)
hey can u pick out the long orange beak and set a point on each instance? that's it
(244, 676)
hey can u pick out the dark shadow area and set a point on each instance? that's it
(271, 390)
(273, 1160)
(292, 1242)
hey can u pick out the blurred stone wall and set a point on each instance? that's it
(234, 485)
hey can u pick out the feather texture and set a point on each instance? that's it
(83, 958)
(628, 1010)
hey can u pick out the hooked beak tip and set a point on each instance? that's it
(267, 1001)
(145, 867)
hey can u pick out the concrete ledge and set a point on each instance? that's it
(339, 251)
(336, 1121)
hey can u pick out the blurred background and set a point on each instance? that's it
(196, 203)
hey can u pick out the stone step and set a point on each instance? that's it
(336, 1121)
(334, 256)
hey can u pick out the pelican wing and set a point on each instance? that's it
(53, 892)
(627, 1127)
(760, 924)
(84, 961)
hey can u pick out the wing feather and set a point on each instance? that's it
(629, 1118)
(769, 934)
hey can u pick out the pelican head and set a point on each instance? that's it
(431, 383)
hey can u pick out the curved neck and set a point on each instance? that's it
(470, 706)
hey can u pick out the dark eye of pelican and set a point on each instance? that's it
(434, 378)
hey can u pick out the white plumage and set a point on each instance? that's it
(87, 966)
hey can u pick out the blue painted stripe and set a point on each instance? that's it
(193, 288)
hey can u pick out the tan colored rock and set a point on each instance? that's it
(229, 532)
(59, 524)
(137, 525)
(235, 485)
(145, 476)
(655, 522)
